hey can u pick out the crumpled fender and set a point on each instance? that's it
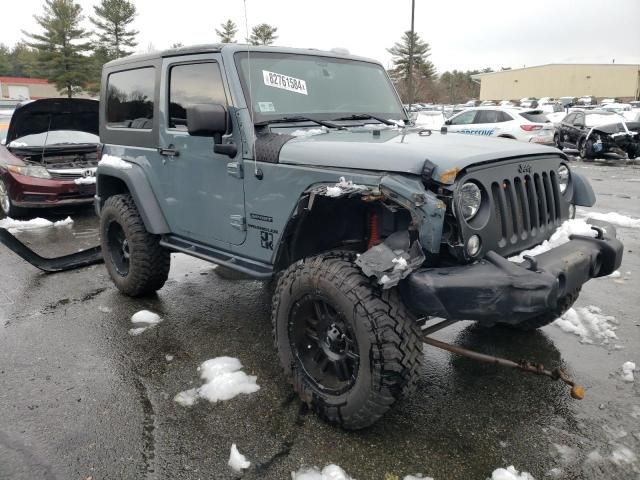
(426, 208)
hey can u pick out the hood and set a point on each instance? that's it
(52, 114)
(403, 151)
(612, 128)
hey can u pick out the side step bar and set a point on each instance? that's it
(81, 259)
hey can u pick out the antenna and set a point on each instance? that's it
(253, 133)
(46, 138)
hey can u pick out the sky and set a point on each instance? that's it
(463, 34)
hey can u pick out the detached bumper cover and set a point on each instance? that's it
(497, 289)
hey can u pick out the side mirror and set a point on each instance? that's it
(447, 122)
(207, 120)
(211, 120)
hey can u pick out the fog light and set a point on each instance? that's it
(473, 245)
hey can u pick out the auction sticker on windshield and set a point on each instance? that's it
(284, 82)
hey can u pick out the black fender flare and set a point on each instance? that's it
(138, 186)
(583, 193)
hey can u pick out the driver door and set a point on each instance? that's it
(204, 198)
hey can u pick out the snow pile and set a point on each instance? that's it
(20, 225)
(510, 473)
(615, 274)
(400, 263)
(559, 237)
(589, 324)
(613, 218)
(224, 380)
(342, 187)
(416, 477)
(85, 181)
(622, 455)
(627, 371)
(143, 321)
(237, 461)
(330, 472)
(308, 132)
(115, 162)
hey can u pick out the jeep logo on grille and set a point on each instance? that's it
(524, 168)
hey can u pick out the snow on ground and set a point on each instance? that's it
(613, 218)
(115, 162)
(627, 371)
(143, 321)
(330, 472)
(223, 380)
(85, 181)
(237, 461)
(589, 324)
(308, 132)
(417, 477)
(104, 309)
(20, 225)
(622, 455)
(559, 237)
(510, 473)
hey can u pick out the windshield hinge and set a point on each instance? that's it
(235, 169)
(239, 222)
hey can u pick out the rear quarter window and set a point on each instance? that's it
(537, 116)
(130, 99)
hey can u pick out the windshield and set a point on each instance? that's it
(325, 88)
(55, 137)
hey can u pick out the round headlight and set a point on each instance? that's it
(470, 200)
(563, 178)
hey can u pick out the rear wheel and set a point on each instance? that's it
(7, 208)
(349, 350)
(136, 262)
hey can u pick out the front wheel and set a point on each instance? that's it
(349, 350)
(7, 208)
(585, 148)
(136, 262)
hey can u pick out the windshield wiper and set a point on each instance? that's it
(301, 119)
(367, 116)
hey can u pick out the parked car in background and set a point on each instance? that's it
(568, 101)
(606, 101)
(529, 102)
(595, 132)
(587, 100)
(526, 125)
(431, 119)
(507, 103)
(49, 157)
(472, 103)
(635, 104)
(617, 107)
(488, 103)
(550, 106)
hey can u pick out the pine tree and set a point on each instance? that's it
(263, 34)
(6, 66)
(227, 32)
(60, 45)
(112, 20)
(422, 67)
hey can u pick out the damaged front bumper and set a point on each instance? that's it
(498, 290)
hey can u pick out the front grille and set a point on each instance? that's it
(71, 173)
(522, 204)
(526, 206)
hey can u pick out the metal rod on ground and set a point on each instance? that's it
(577, 391)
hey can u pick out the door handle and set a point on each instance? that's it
(169, 152)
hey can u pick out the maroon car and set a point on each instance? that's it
(49, 157)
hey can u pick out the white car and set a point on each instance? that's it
(430, 119)
(524, 124)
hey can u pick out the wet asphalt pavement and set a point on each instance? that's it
(80, 398)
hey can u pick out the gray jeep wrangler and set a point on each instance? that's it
(302, 166)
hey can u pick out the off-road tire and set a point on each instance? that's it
(388, 339)
(9, 209)
(148, 265)
(564, 304)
